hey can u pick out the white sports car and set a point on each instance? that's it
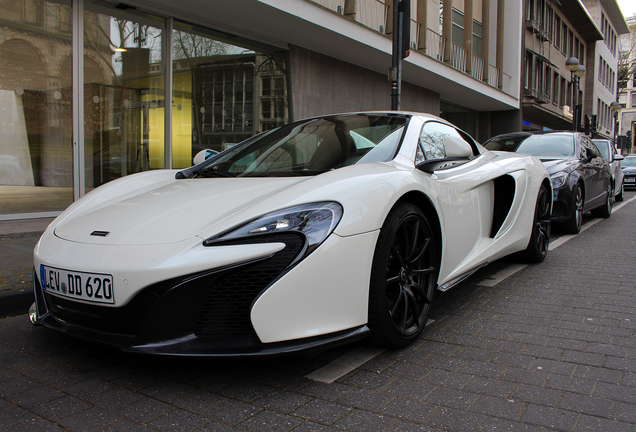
(324, 230)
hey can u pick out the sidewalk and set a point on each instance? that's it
(17, 240)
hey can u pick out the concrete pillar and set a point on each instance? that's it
(485, 36)
(468, 34)
(350, 9)
(500, 39)
(447, 28)
(422, 12)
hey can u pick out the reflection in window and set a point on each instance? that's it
(36, 105)
(222, 93)
(123, 93)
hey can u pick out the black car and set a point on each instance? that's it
(628, 165)
(581, 179)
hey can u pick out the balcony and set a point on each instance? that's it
(458, 57)
(435, 44)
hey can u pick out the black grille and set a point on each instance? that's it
(226, 312)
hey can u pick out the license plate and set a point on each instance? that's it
(630, 180)
(93, 287)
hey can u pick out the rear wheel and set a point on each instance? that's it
(621, 192)
(606, 210)
(573, 225)
(540, 238)
(403, 277)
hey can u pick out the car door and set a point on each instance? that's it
(465, 191)
(596, 174)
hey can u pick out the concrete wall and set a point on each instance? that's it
(324, 85)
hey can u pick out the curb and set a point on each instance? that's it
(15, 301)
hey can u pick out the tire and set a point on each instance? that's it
(606, 210)
(621, 194)
(540, 238)
(573, 225)
(403, 277)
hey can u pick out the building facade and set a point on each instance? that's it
(627, 96)
(93, 90)
(604, 57)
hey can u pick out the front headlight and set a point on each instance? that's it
(315, 221)
(558, 180)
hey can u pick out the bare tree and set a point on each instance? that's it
(627, 59)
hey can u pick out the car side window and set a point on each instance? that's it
(432, 143)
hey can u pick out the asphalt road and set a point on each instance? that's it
(550, 347)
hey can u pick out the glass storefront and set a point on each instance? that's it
(223, 91)
(36, 166)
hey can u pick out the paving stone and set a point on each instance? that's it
(537, 395)
(506, 408)
(322, 411)
(33, 424)
(366, 421)
(408, 409)
(452, 398)
(92, 419)
(555, 419)
(594, 424)
(365, 399)
(368, 380)
(115, 398)
(448, 379)
(232, 412)
(451, 419)
(487, 386)
(179, 420)
(570, 384)
(12, 415)
(408, 389)
(481, 369)
(593, 406)
(143, 410)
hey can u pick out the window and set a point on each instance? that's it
(555, 88)
(557, 31)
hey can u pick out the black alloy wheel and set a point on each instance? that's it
(403, 277)
(540, 237)
(573, 225)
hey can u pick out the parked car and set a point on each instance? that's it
(326, 229)
(581, 179)
(628, 166)
(612, 157)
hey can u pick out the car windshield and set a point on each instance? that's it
(557, 145)
(603, 147)
(310, 147)
(628, 162)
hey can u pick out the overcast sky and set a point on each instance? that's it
(628, 7)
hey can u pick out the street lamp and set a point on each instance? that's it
(616, 107)
(577, 71)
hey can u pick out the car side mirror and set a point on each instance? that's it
(203, 155)
(618, 157)
(589, 154)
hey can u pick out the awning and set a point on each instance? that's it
(542, 58)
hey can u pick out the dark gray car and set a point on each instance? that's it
(581, 179)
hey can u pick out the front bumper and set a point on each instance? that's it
(216, 312)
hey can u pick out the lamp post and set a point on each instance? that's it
(616, 107)
(577, 71)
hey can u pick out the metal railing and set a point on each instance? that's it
(493, 76)
(334, 5)
(506, 84)
(415, 34)
(372, 13)
(435, 44)
(477, 68)
(458, 57)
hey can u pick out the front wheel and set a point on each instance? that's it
(573, 225)
(403, 277)
(540, 237)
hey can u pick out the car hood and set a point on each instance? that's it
(558, 165)
(630, 170)
(157, 209)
